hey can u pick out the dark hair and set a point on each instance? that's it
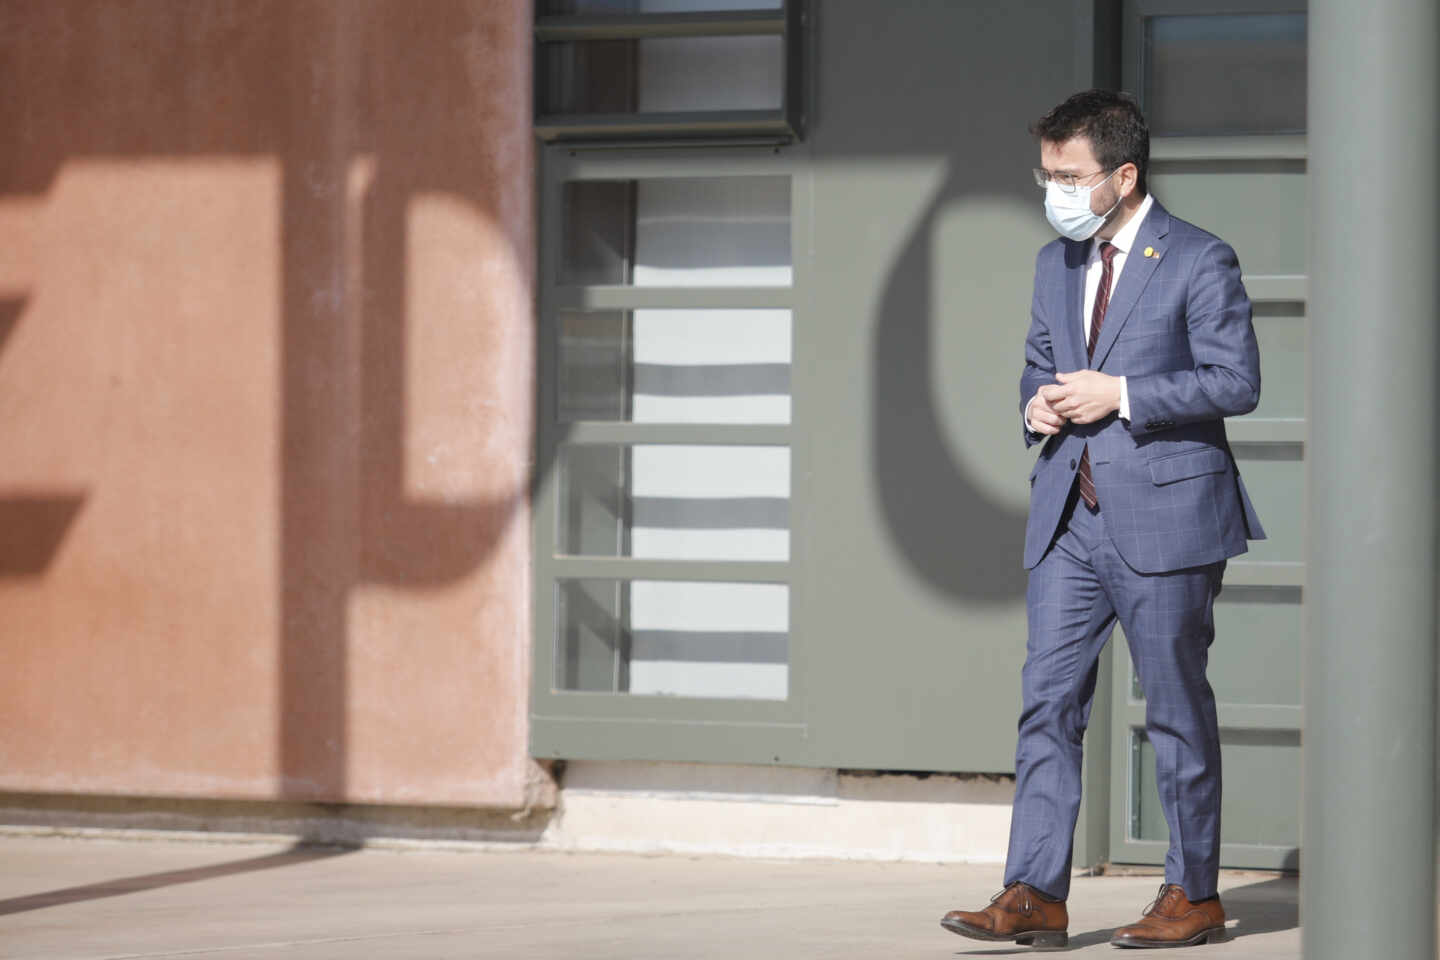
(1110, 120)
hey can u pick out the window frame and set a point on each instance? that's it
(1135, 63)
(783, 125)
(613, 726)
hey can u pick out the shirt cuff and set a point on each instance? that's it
(1026, 418)
(1124, 402)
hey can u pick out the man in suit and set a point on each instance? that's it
(1140, 344)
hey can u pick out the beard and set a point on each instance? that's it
(1109, 199)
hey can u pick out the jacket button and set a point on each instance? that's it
(1072, 464)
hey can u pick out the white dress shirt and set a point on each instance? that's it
(1123, 241)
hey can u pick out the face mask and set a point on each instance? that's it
(1069, 213)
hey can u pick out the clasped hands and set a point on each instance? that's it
(1080, 397)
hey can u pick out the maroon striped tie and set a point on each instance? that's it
(1097, 318)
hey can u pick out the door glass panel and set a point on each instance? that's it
(675, 366)
(662, 75)
(676, 502)
(673, 637)
(599, 232)
(1215, 74)
(703, 232)
(1257, 806)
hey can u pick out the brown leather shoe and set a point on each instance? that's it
(1019, 913)
(1173, 921)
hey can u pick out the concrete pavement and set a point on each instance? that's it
(105, 898)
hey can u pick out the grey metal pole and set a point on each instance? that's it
(1368, 870)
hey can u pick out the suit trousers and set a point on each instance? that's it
(1076, 594)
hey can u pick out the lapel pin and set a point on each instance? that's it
(1150, 252)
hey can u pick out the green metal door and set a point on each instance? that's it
(1225, 98)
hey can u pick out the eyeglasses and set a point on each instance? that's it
(1065, 181)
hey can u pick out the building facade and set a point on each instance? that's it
(410, 396)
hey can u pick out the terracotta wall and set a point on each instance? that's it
(266, 380)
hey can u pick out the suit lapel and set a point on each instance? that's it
(1133, 279)
(1073, 334)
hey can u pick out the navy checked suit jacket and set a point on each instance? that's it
(1178, 328)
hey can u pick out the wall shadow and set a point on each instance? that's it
(418, 124)
(32, 527)
(299, 853)
(953, 533)
(422, 94)
(1265, 906)
(10, 310)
